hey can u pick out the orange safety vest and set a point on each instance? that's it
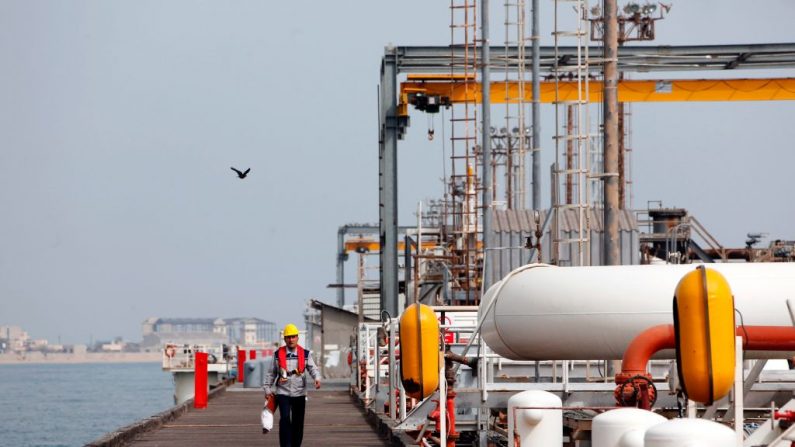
(281, 356)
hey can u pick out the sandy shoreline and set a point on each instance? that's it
(89, 357)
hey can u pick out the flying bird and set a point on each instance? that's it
(241, 175)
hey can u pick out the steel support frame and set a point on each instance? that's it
(389, 132)
(436, 59)
(342, 256)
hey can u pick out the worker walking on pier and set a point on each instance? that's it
(290, 363)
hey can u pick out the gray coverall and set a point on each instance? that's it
(290, 395)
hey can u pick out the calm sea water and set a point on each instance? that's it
(70, 405)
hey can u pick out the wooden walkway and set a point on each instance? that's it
(233, 418)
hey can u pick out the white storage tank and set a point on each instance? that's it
(690, 433)
(535, 417)
(623, 427)
(544, 312)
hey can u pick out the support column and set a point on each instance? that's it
(611, 247)
(739, 418)
(536, 110)
(485, 81)
(621, 156)
(388, 220)
(341, 267)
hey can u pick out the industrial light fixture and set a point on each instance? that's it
(754, 238)
(648, 9)
(631, 8)
(635, 20)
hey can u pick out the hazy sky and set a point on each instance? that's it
(119, 121)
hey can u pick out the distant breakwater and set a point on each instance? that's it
(88, 357)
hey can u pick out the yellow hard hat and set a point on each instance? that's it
(289, 330)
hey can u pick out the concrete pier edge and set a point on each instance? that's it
(122, 436)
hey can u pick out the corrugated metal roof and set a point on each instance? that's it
(512, 227)
(320, 305)
(524, 221)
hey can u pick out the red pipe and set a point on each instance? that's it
(658, 338)
(643, 346)
(200, 381)
(787, 415)
(452, 435)
(767, 338)
(436, 417)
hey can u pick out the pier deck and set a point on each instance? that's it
(233, 418)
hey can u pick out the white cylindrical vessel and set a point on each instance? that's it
(623, 427)
(690, 433)
(535, 418)
(545, 312)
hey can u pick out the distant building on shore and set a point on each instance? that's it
(250, 332)
(13, 339)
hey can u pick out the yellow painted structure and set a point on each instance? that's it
(373, 246)
(420, 356)
(629, 90)
(705, 331)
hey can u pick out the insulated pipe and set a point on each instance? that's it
(544, 312)
(658, 338)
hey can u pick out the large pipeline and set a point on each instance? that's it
(579, 313)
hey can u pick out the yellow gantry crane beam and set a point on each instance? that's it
(373, 246)
(454, 90)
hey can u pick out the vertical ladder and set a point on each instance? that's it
(465, 160)
(515, 136)
(628, 184)
(366, 283)
(576, 140)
